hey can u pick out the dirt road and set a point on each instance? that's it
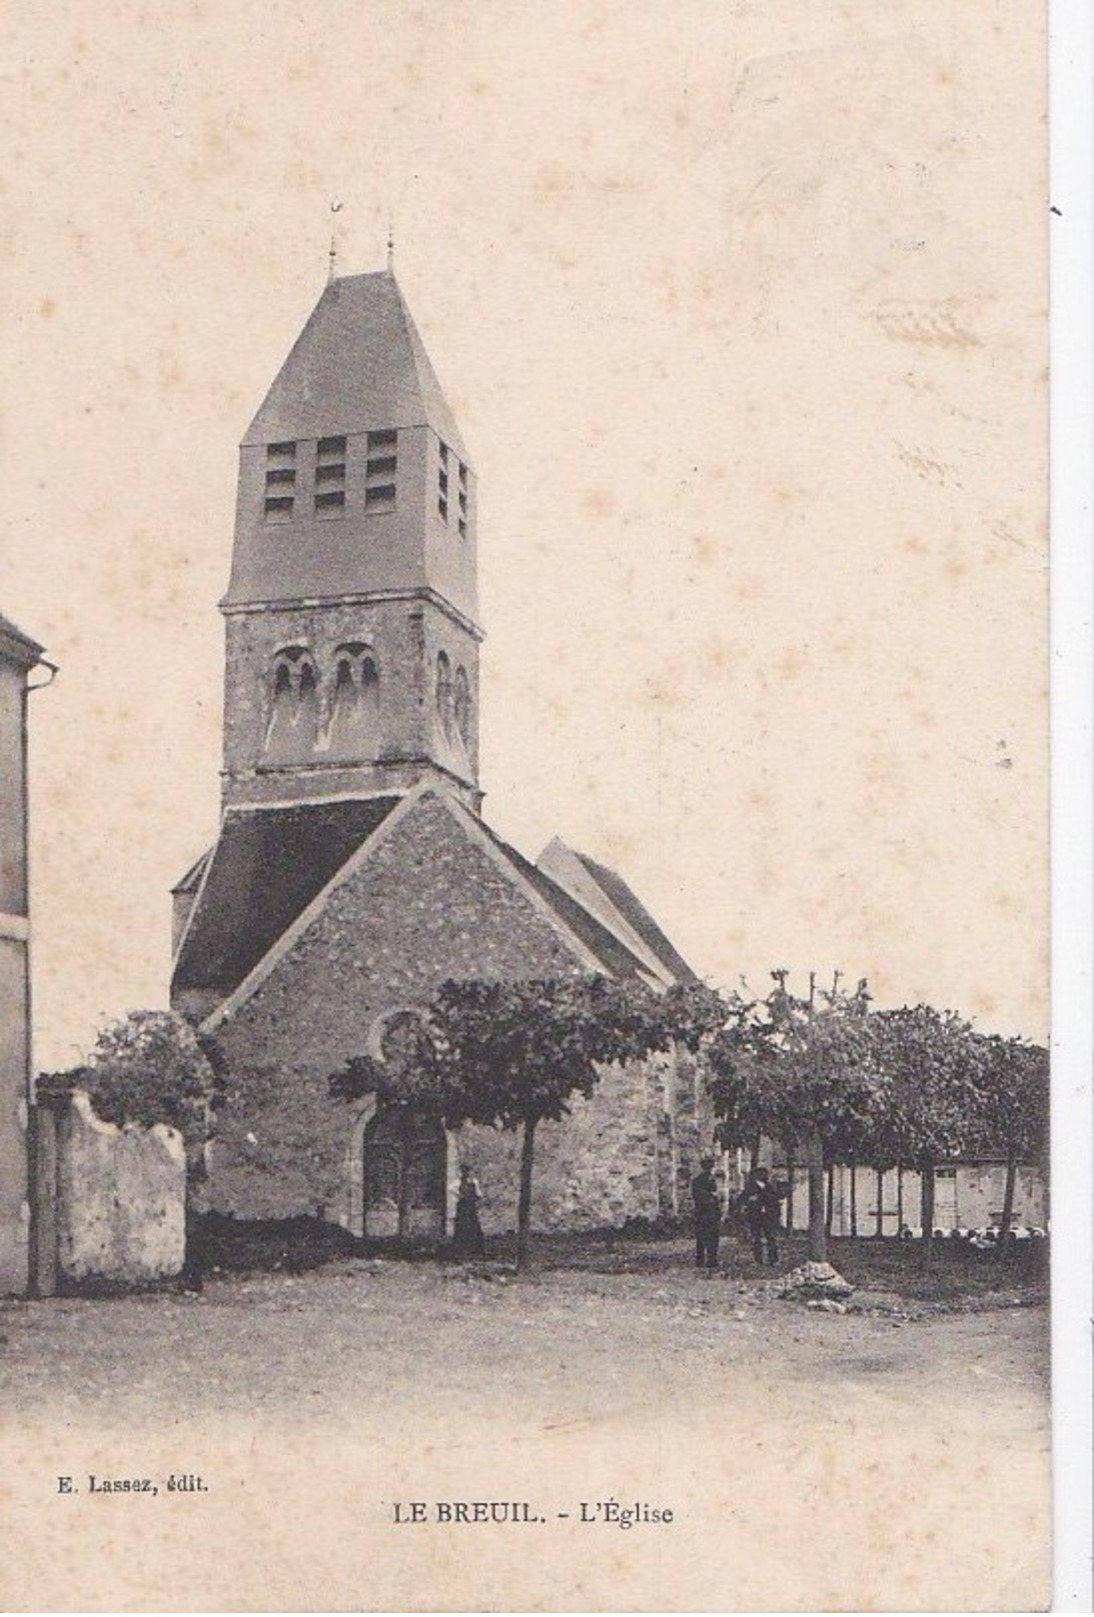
(809, 1460)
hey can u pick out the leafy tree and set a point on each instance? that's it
(512, 1055)
(932, 1062)
(798, 1069)
(1012, 1082)
(831, 1089)
(151, 1067)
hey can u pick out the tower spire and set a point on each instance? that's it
(332, 253)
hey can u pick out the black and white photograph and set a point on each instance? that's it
(524, 807)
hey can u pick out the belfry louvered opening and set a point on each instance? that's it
(280, 496)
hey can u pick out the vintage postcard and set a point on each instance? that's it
(523, 697)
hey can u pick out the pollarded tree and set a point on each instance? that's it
(746, 1077)
(513, 1055)
(933, 1062)
(1012, 1083)
(832, 1089)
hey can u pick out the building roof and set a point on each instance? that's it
(607, 896)
(267, 866)
(613, 954)
(637, 915)
(16, 645)
(358, 365)
(192, 879)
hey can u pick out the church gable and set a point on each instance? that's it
(431, 897)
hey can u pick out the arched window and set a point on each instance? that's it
(444, 692)
(354, 731)
(461, 706)
(293, 723)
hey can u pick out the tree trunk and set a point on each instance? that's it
(899, 1198)
(854, 1201)
(790, 1168)
(879, 1229)
(192, 1279)
(524, 1205)
(754, 1153)
(1008, 1200)
(926, 1203)
(830, 1198)
(818, 1234)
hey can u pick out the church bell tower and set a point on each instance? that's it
(351, 615)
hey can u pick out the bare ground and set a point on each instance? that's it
(891, 1457)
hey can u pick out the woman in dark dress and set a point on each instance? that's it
(468, 1240)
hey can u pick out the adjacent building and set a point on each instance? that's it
(19, 654)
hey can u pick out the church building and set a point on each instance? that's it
(353, 871)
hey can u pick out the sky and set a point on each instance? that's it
(741, 309)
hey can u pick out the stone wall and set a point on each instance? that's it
(120, 1199)
(405, 638)
(430, 903)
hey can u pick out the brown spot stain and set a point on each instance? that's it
(926, 467)
(597, 502)
(790, 664)
(944, 324)
(553, 183)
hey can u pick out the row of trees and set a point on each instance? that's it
(835, 1081)
(822, 1072)
(831, 1079)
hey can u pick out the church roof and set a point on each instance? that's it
(358, 365)
(17, 645)
(267, 866)
(617, 960)
(270, 864)
(607, 896)
(635, 913)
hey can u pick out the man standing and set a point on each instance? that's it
(707, 1206)
(760, 1206)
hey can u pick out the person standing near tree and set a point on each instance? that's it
(707, 1206)
(760, 1205)
(468, 1241)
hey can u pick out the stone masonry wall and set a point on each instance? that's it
(430, 903)
(121, 1197)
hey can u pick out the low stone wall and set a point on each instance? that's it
(120, 1199)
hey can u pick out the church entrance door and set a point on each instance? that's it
(405, 1178)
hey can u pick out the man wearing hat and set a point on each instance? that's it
(760, 1206)
(707, 1205)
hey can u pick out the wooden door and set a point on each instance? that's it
(405, 1177)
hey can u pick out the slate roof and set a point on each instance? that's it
(358, 365)
(267, 866)
(615, 958)
(638, 916)
(17, 645)
(270, 863)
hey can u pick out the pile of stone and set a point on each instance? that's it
(817, 1285)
